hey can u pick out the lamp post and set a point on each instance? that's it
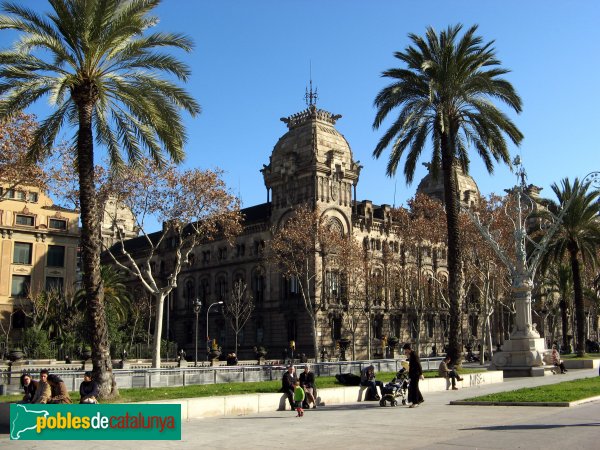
(197, 306)
(207, 335)
(524, 350)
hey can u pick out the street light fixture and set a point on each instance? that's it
(197, 305)
(207, 335)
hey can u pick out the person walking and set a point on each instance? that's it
(415, 373)
(298, 398)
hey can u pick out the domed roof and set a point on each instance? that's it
(467, 188)
(311, 133)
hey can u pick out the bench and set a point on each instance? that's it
(361, 392)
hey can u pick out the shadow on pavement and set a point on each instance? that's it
(532, 427)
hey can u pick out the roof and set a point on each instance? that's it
(251, 215)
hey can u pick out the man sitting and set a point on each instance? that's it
(367, 379)
(446, 372)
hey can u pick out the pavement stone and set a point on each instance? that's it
(434, 424)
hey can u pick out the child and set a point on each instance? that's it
(298, 398)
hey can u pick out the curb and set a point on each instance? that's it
(551, 404)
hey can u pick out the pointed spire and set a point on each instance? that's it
(310, 97)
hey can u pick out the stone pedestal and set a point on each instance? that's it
(522, 357)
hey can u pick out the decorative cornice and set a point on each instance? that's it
(310, 114)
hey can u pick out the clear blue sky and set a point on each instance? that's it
(251, 66)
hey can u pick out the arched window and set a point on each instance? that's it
(332, 283)
(204, 289)
(221, 288)
(258, 285)
(377, 287)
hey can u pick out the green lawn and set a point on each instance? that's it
(587, 356)
(210, 390)
(568, 391)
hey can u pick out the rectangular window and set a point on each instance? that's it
(22, 253)
(25, 220)
(55, 256)
(54, 284)
(19, 195)
(9, 193)
(294, 286)
(57, 224)
(32, 197)
(20, 285)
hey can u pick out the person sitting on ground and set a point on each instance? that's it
(29, 387)
(88, 389)
(43, 391)
(288, 382)
(60, 394)
(367, 379)
(232, 359)
(307, 381)
(445, 372)
(557, 361)
(298, 398)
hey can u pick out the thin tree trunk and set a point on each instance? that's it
(159, 306)
(369, 335)
(91, 248)
(579, 306)
(454, 251)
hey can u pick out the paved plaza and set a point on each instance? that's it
(435, 424)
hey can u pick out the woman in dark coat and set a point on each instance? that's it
(88, 389)
(29, 387)
(415, 373)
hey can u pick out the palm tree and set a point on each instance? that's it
(445, 94)
(100, 72)
(578, 239)
(558, 279)
(115, 293)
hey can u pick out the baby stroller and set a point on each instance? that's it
(395, 390)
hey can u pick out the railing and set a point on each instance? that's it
(183, 376)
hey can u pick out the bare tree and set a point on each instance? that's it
(239, 308)
(194, 207)
(294, 250)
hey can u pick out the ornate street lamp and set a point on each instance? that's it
(524, 350)
(197, 306)
(207, 335)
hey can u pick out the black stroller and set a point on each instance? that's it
(395, 390)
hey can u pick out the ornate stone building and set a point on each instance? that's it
(311, 163)
(38, 249)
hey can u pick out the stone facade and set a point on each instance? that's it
(311, 163)
(117, 219)
(38, 248)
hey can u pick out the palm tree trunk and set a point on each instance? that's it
(454, 251)
(564, 322)
(579, 306)
(90, 250)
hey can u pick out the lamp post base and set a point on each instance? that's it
(522, 357)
